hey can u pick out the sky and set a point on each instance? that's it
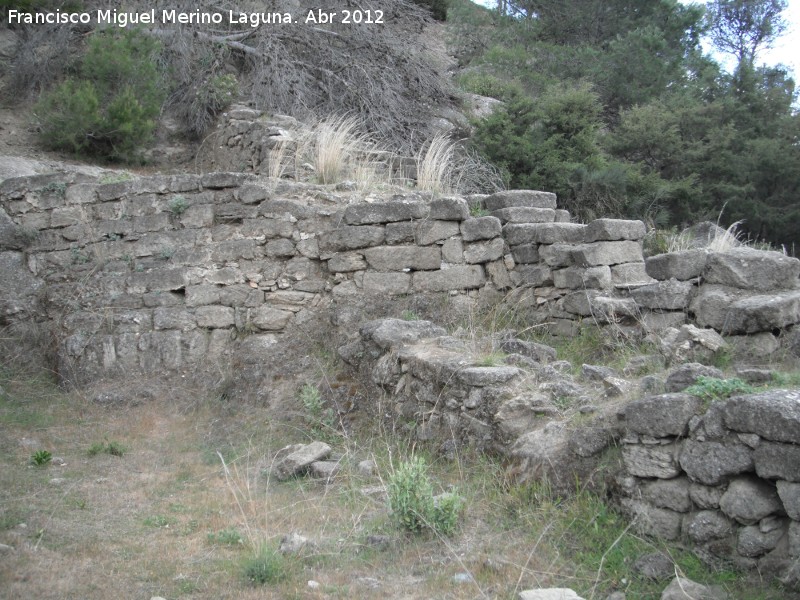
(786, 50)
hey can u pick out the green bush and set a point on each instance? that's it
(109, 107)
(438, 8)
(413, 504)
(267, 565)
(710, 389)
(41, 458)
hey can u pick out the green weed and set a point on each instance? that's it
(711, 389)
(178, 205)
(112, 448)
(267, 565)
(226, 537)
(41, 458)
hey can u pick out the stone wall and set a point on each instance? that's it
(724, 477)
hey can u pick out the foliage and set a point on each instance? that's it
(113, 448)
(711, 388)
(226, 537)
(267, 565)
(321, 419)
(109, 107)
(413, 505)
(41, 458)
(178, 205)
(438, 8)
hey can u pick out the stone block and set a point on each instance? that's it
(736, 312)
(281, 248)
(527, 198)
(609, 230)
(668, 493)
(532, 275)
(173, 318)
(252, 193)
(683, 376)
(660, 461)
(607, 253)
(71, 215)
(265, 227)
(346, 262)
(751, 269)
(398, 258)
(707, 525)
(429, 231)
(234, 250)
(155, 281)
(774, 415)
(384, 212)
(224, 180)
(713, 463)
(748, 500)
(299, 458)
(684, 265)
(198, 215)
(483, 376)
(453, 251)
(705, 496)
(659, 322)
(483, 252)
(183, 183)
(455, 278)
(592, 303)
(752, 542)
(214, 317)
(789, 493)
(400, 233)
(449, 209)
(664, 295)
(267, 318)
(556, 255)
(630, 275)
(661, 523)
(774, 460)
(350, 238)
(562, 216)
(498, 273)
(81, 193)
(392, 284)
(521, 214)
(578, 278)
(544, 233)
(526, 254)
(156, 222)
(663, 415)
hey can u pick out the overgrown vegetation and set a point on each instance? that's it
(711, 389)
(614, 106)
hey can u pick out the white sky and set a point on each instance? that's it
(787, 49)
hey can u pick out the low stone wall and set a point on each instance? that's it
(725, 477)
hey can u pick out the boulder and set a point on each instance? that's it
(607, 253)
(511, 198)
(660, 523)
(732, 311)
(707, 525)
(712, 463)
(774, 460)
(480, 228)
(614, 229)
(668, 493)
(748, 500)
(751, 269)
(664, 295)
(662, 416)
(659, 461)
(549, 594)
(774, 415)
(684, 376)
(368, 213)
(300, 459)
(685, 265)
(789, 494)
(686, 589)
(654, 565)
(754, 542)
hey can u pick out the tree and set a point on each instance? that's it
(744, 27)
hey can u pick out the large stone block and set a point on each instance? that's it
(521, 214)
(392, 284)
(592, 303)
(736, 312)
(398, 258)
(774, 415)
(454, 278)
(774, 460)
(543, 233)
(400, 233)
(712, 463)
(668, 493)
(749, 499)
(577, 278)
(684, 265)
(384, 212)
(556, 255)
(511, 198)
(683, 376)
(664, 295)
(345, 262)
(480, 228)
(449, 209)
(483, 252)
(607, 253)
(351, 238)
(299, 458)
(526, 254)
(662, 416)
(532, 275)
(483, 376)
(630, 275)
(707, 525)
(751, 269)
(267, 318)
(610, 230)
(214, 317)
(661, 523)
(659, 461)
(429, 231)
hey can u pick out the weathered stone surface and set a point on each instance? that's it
(549, 594)
(661, 523)
(449, 209)
(214, 317)
(753, 542)
(664, 295)
(543, 233)
(774, 460)
(351, 238)
(299, 459)
(614, 229)
(429, 232)
(789, 493)
(589, 441)
(707, 525)
(251, 194)
(454, 278)
(224, 180)
(575, 278)
(705, 496)
(324, 469)
(392, 284)
(480, 228)
(453, 251)
(483, 376)
(630, 275)
(654, 565)
(686, 589)
(562, 216)
(751, 269)
(538, 352)
(652, 461)
(483, 252)
(680, 378)
(384, 212)
(593, 303)
(662, 416)
(519, 415)
(526, 254)
(499, 275)
(556, 255)
(400, 233)
(398, 258)
(270, 319)
(684, 265)
(388, 333)
(774, 415)
(748, 500)
(607, 253)
(510, 198)
(668, 493)
(732, 311)
(712, 463)
(533, 275)
(521, 214)
(345, 262)
(281, 248)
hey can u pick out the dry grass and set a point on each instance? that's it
(435, 165)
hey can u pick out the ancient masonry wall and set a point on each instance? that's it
(724, 476)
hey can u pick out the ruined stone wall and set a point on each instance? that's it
(723, 476)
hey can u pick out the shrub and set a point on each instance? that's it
(178, 205)
(267, 565)
(109, 108)
(712, 388)
(41, 458)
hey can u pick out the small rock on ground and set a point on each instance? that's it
(686, 589)
(549, 594)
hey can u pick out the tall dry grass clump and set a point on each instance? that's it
(434, 165)
(337, 144)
